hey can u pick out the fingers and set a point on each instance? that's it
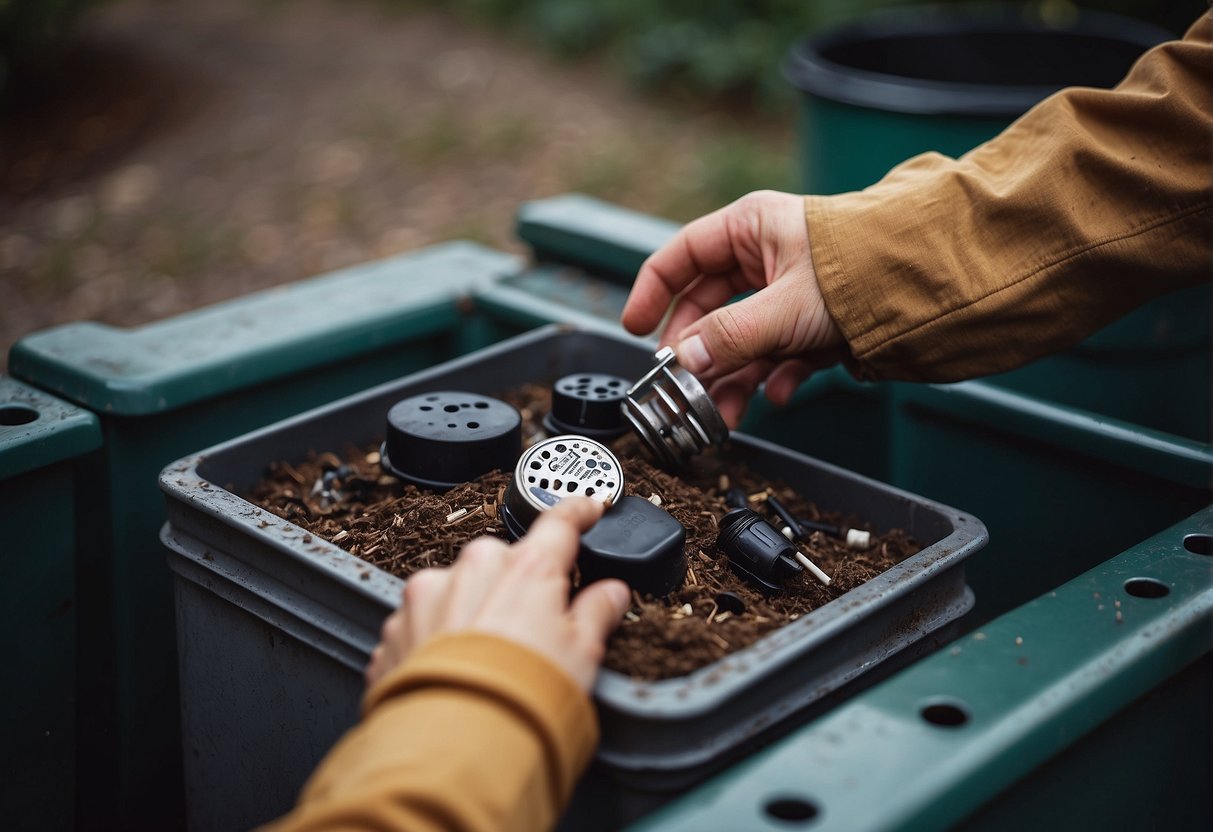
(473, 578)
(425, 600)
(554, 537)
(598, 608)
(708, 294)
(700, 247)
(732, 392)
(759, 326)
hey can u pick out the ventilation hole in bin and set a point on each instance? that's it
(1146, 588)
(945, 714)
(791, 808)
(16, 415)
(1199, 544)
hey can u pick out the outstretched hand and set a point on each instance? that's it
(519, 592)
(778, 335)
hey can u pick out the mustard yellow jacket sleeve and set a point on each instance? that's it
(1087, 206)
(472, 732)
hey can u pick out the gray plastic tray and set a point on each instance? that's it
(275, 626)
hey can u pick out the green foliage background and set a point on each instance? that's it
(719, 49)
(712, 49)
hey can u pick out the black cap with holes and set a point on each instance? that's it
(588, 404)
(444, 438)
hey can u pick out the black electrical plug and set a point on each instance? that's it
(756, 550)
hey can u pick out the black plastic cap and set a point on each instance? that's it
(588, 404)
(441, 439)
(637, 542)
(756, 550)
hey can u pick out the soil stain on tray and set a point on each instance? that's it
(348, 500)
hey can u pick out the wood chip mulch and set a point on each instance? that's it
(401, 529)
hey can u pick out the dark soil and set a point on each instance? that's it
(401, 529)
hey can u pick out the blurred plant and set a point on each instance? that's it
(723, 49)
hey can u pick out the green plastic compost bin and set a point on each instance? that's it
(883, 88)
(42, 442)
(1086, 708)
(182, 383)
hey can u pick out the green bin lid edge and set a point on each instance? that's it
(262, 336)
(57, 431)
(587, 232)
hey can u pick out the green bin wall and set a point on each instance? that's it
(42, 440)
(185, 383)
(1057, 487)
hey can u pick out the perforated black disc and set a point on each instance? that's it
(588, 404)
(444, 438)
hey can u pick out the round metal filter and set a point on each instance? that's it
(556, 468)
(447, 437)
(672, 414)
(588, 404)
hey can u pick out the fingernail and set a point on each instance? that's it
(693, 354)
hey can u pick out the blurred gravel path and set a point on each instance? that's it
(191, 152)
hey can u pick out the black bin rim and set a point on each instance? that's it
(812, 64)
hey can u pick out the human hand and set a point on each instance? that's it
(780, 334)
(518, 592)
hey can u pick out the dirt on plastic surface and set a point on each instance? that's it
(401, 529)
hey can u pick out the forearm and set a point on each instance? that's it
(473, 732)
(1089, 205)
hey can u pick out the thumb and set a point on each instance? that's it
(760, 326)
(597, 609)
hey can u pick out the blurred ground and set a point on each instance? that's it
(189, 152)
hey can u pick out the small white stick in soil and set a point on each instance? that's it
(758, 496)
(455, 515)
(631, 616)
(372, 458)
(655, 499)
(723, 484)
(340, 536)
(812, 567)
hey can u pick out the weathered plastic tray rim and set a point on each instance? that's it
(656, 699)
